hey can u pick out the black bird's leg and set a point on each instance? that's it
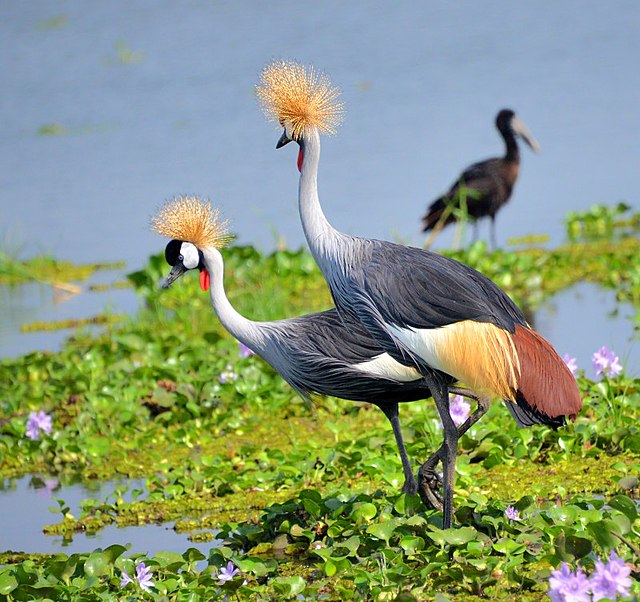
(493, 232)
(428, 473)
(391, 412)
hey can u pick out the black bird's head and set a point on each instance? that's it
(510, 125)
(184, 256)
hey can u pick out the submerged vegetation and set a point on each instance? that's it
(305, 502)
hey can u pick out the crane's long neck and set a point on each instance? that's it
(320, 234)
(246, 331)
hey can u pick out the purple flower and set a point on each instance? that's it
(227, 573)
(38, 421)
(227, 376)
(511, 513)
(459, 410)
(567, 586)
(571, 362)
(143, 577)
(611, 579)
(605, 362)
(244, 351)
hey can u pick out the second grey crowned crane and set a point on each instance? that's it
(317, 354)
(448, 321)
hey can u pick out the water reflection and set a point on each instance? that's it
(580, 320)
(29, 503)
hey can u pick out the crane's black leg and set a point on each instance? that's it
(430, 479)
(391, 412)
(447, 452)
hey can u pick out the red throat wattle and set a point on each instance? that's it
(205, 280)
(300, 157)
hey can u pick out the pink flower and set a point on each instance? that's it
(567, 586)
(611, 579)
(143, 578)
(511, 513)
(459, 410)
(571, 362)
(605, 362)
(38, 421)
(227, 573)
(244, 351)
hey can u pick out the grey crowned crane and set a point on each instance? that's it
(486, 186)
(317, 354)
(449, 321)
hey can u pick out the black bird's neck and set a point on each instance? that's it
(513, 152)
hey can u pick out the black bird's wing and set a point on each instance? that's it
(478, 184)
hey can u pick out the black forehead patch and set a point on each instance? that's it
(172, 251)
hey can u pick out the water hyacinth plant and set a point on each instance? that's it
(142, 578)
(608, 581)
(38, 422)
(459, 410)
(571, 362)
(606, 363)
(305, 503)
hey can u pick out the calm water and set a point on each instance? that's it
(23, 533)
(156, 98)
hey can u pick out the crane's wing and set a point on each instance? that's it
(419, 289)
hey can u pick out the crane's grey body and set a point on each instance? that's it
(318, 354)
(404, 297)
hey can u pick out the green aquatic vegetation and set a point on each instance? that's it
(47, 270)
(306, 501)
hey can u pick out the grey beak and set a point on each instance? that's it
(175, 273)
(521, 130)
(284, 139)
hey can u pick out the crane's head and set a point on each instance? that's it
(508, 121)
(300, 99)
(193, 225)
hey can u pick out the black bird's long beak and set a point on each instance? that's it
(175, 273)
(521, 129)
(284, 139)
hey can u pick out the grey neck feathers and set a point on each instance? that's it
(246, 331)
(324, 240)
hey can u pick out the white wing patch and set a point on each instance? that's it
(385, 366)
(424, 342)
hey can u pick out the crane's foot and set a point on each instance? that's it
(430, 484)
(410, 486)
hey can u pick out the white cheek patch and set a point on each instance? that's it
(190, 255)
(385, 366)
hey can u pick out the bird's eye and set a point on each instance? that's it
(180, 258)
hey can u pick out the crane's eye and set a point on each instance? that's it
(180, 258)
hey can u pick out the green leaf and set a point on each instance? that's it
(7, 582)
(453, 536)
(626, 505)
(289, 586)
(364, 512)
(382, 530)
(578, 547)
(603, 533)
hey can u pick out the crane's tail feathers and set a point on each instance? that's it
(545, 385)
(526, 416)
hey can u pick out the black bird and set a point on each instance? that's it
(487, 185)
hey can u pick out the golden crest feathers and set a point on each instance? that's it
(292, 93)
(191, 219)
